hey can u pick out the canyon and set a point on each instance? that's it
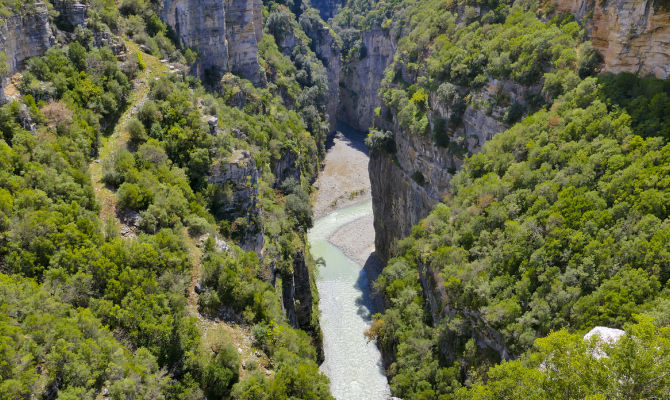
(398, 188)
(343, 240)
(633, 36)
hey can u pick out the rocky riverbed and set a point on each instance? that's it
(344, 179)
(343, 237)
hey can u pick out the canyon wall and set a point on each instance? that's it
(71, 13)
(237, 175)
(225, 33)
(632, 35)
(25, 34)
(406, 185)
(327, 8)
(360, 80)
(327, 49)
(297, 294)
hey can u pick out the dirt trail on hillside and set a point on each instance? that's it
(213, 330)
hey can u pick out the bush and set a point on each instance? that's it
(378, 141)
(136, 130)
(514, 113)
(279, 23)
(4, 65)
(298, 207)
(132, 196)
(589, 60)
(197, 225)
(221, 373)
(149, 113)
(117, 166)
(447, 93)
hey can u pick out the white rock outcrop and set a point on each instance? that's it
(604, 334)
(26, 34)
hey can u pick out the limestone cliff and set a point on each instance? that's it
(224, 32)
(297, 294)
(25, 34)
(407, 184)
(244, 29)
(70, 14)
(360, 79)
(632, 35)
(237, 176)
(327, 48)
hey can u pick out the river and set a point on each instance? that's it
(353, 364)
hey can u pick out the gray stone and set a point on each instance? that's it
(74, 12)
(225, 33)
(361, 81)
(238, 175)
(297, 294)
(26, 34)
(327, 49)
(213, 123)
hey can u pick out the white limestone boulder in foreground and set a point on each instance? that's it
(604, 334)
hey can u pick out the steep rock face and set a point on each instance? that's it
(225, 33)
(286, 167)
(238, 176)
(632, 35)
(71, 13)
(406, 185)
(24, 35)
(484, 335)
(297, 294)
(244, 29)
(360, 80)
(327, 8)
(328, 50)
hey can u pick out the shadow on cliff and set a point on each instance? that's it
(369, 302)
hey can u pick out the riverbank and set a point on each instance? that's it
(343, 236)
(344, 179)
(343, 182)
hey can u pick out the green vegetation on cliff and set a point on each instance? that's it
(108, 167)
(561, 222)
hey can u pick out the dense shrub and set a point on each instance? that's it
(380, 141)
(562, 366)
(85, 276)
(136, 131)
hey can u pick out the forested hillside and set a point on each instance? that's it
(157, 161)
(559, 224)
(136, 260)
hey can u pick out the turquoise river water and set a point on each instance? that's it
(353, 364)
